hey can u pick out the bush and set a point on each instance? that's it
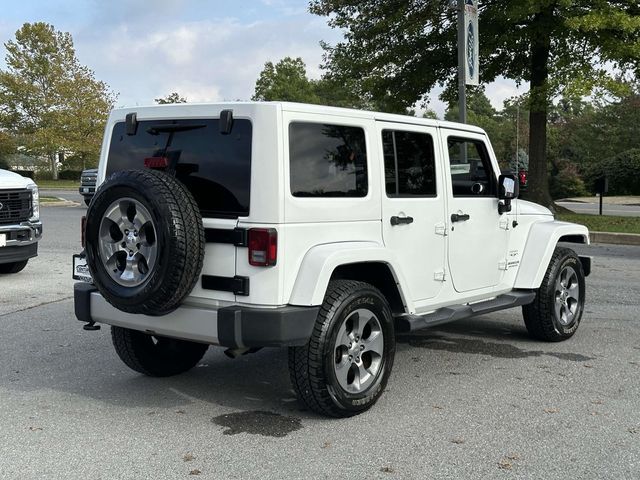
(26, 173)
(4, 164)
(622, 171)
(70, 175)
(566, 182)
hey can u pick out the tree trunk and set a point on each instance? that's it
(538, 188)
(53, 160)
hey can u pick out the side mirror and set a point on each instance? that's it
(508, 189)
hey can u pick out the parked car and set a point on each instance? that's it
(320, 229)
(88, 184)
(20, 226)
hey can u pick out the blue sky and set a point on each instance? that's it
(206, 50)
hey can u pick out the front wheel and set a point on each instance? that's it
(556, 312)
(156, 356)
(344, 367)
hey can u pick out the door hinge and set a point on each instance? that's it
(441, 229)
(504, 224)
(440, 276)
(502, 265)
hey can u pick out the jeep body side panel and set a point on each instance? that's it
(320, 262)
(541, 242)
(413, 197)
(478, 242)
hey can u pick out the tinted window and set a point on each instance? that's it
(215, 168)
(327, 160)
(471, 172)
(409, 163)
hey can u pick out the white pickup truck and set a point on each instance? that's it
(20, 226)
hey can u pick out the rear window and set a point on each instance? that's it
(216, 168)
(327, 160)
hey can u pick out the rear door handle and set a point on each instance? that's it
(459, 217)
(395, 220)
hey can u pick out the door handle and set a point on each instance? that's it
(459, 217)
(395, 220)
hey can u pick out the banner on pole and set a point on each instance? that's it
(471, 43)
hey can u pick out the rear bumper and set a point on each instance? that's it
(231, 327)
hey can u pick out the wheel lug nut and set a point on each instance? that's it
(124, 244)
(361, 347)
(349, 345)
(126, 232)
(350, 357)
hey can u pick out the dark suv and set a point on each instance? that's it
(88, 184)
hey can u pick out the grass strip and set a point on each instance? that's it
(603, 223)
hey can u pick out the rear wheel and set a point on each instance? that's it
(344, 367)
(156, 356)
(13, 267)
(556, 312)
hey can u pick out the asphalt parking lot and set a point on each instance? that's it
(474, 399)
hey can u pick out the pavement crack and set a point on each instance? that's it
(36, 306)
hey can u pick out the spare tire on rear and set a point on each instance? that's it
(144, 241)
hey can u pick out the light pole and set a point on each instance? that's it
(462, 90)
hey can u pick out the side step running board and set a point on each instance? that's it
(410, 323)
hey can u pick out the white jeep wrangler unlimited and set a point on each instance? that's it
(325, 230)
(20, 226)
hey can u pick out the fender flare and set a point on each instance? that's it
(541, 242)
(320, 262)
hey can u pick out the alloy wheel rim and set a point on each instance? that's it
(358, 351)
(127, 243)
(567, 296)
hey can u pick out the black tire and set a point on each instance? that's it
(312, 367)
(541, 318)
(156, 356)
(13, 267)
(179, 241)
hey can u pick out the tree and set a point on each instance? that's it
(7, 147)
(285, 81)
(173, 97)
(398, 51)
(51, 102)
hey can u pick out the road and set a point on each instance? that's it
(474, 399)
(607, 209)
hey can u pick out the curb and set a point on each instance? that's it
(615, 238)
(61, 203)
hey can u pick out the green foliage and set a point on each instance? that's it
(566, 182)
(70, 175)
(7, 147)
(173, 97)
(285, 81)
(397, 52)
(622, 170)
(50, 101)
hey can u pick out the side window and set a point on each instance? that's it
(471, 171)
(409, 163)
(327, 160)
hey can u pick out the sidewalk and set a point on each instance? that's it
(626, 200)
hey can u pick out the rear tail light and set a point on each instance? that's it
(83, 229)
(263, 247)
